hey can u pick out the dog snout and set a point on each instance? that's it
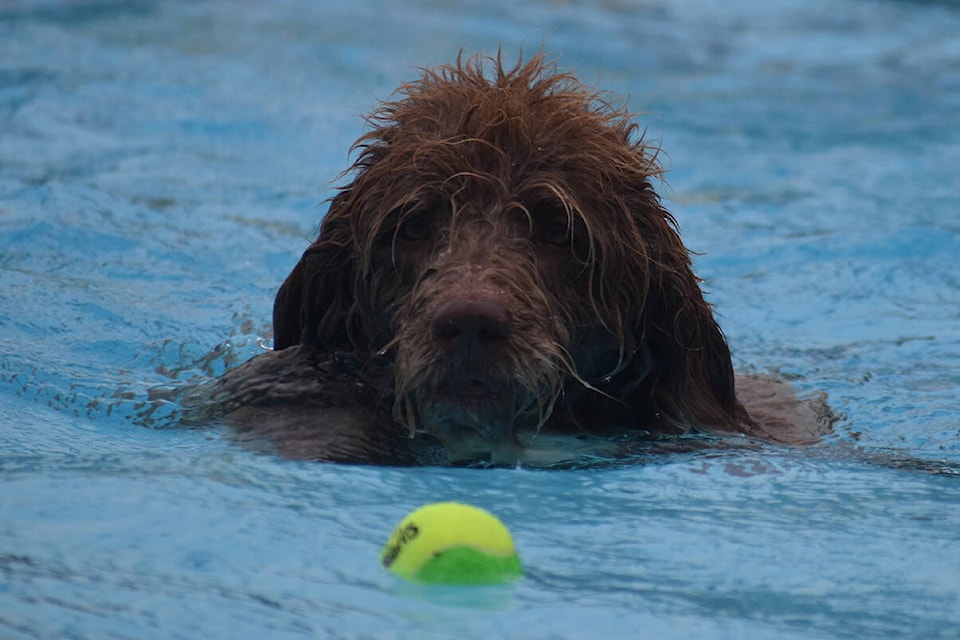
(470, 328)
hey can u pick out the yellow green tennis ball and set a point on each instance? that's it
(452, 543)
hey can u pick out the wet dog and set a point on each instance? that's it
(498, 269)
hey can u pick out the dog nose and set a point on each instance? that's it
(467, 328)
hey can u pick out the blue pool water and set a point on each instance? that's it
(162, 166)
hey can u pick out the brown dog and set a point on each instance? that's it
(500, 268)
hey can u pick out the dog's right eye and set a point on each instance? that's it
(414, 228)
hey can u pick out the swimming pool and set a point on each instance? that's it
(162, 166)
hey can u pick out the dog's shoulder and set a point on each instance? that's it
(305, 404)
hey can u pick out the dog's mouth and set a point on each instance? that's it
(472, 416)
(475, 401)
(473, 390)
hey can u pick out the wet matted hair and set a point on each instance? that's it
(501, 244)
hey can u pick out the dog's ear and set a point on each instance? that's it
(691, 376)
(316, 303)
(288, 312)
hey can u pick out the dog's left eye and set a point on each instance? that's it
(414, 228)
(557, 231)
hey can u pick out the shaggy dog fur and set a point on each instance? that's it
(498, 268)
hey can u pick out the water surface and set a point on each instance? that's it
(162, 166)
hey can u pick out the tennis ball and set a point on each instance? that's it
(451, 543)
